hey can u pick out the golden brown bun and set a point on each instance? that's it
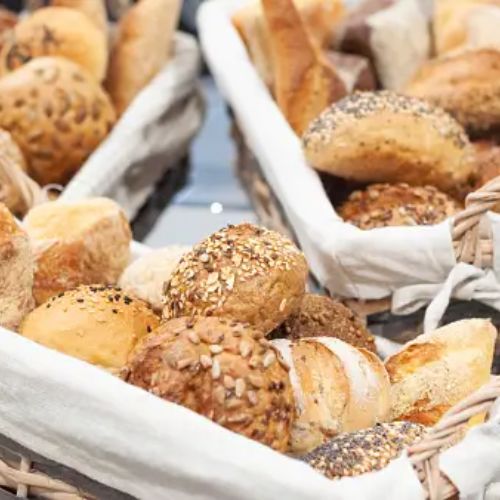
(95, 10)
(321, 316)
(11, 155)
(366, 137)
(221, 369)
(437, 370)
(381, 205)
(355, 71)
(142, 48)
(56, 31)
(336, 387)
(146, 276)
(16, 271)
(466, 84)
(7, 21)
(320, 18)
(57, 114)
(452, 20)
(77, 243)
(242, 272)
(369, 450)
(98, 324)
(487, 156)
(305, 82)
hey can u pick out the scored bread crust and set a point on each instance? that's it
(57, 114)
(437, 370)
(365, 137)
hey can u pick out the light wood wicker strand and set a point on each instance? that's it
(425, 454)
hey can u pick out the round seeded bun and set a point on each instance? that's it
(98, 324)
(466, 83)
(241, 272)
(57, 31)
(386, 137)
(57, 114)
(321, 316)
(381, 205)
(356, 453)
(221, 369)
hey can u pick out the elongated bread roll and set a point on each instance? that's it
(337, 388)
(437, 370)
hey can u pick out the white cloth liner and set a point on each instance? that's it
(347, 261)
(151, 136)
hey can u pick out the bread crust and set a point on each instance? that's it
(223, 370)
(95, 10)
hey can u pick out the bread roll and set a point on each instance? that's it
(7, 21)
(386, 137)
(146, 276)
(487, 163)
(364, 451)
(321, 316)
(56, 31)
(16, 271)
(381, 205)
(241, 272)
(305, 82)
(142, 48)
(466, 84)
(95, 10)
(320, 18)
(223, 370)
(57, 114)
(437, 370)
(336, 387)
(355, 71)
(98, 324)
(77, 243)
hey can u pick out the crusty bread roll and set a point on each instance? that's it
(366, 137)
(437, 370)
(56, 31)
(320, 18)
(57, 114)
(16, 271)
(336, 387)
(221, 369)
(356, 453)
(98, 324)
(321, 316)
(142, 47)
(242, 272)
(146, 276)
(77, 243)
(382, 205)
(466, 84)
(95, 10)
(305, 82)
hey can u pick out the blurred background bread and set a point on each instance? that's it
(77, 243)
(56, 31)
(98, 324)
(487, 155)
(56, 113)
(437, 370)
(7, 21)
(95, 10)
(145, 277)
(16, 271)
(221, 369)
(365, 137)
(336, 387)
(142, 47)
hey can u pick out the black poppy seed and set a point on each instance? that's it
(80, 300)
(115, 311)
(148, 328)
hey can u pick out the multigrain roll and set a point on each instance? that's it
(336, 388)
(241, 272)
(386, 137)
(57, 114)
(356, 453)
(98, 324)
(56, 31)
(321, 316)
(221, 369)
(382, 205)
(17, 266)
(77, 243)
(466, 84)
